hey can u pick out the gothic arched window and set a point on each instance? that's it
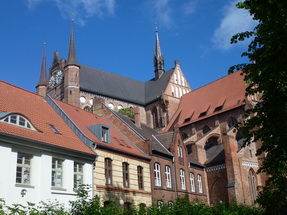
(212, 141)
(205, 129)
(231, 122)
(155, 118)
(252, 184)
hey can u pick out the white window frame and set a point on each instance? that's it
(57, 173)
(199, 181)
(23, 168)
(18, 120)
(78, 174)
(192, 182)
(182, 179)
(179, 152)
(157, 178)
(168, 176)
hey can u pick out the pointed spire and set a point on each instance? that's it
(43, 75)
(158, 59)
(72, 59)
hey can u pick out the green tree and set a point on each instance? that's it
(267, 76)
(127, 112)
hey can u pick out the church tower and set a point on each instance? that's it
(72, 75)
(158, 59)
(41, 88)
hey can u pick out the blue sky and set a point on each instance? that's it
(119, 36)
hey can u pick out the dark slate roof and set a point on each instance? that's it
(165, 138)
(146, 132)
(215, 155)
(193, 161)
(119, 87)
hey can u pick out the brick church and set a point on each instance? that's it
(194, 147)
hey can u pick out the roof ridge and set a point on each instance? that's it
(228, 75)
(14, 86)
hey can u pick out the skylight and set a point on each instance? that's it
(18, 120)
(55, 129)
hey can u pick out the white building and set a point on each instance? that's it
(41, 158)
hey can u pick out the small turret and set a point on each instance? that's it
(158, 59)
(41, 88)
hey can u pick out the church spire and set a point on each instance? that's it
(72, 59)
(158, 59)
(43, 75)
(42, 83)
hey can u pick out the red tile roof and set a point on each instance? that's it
(41, 115)
(83, 119)
(228, 91)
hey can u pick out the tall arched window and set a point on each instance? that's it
(168, 176)
(182, 179)
(199, 181)
(212, 141)
(157, 179)
(252, 185)
(108, 171)
(192, 184)
(155, 117)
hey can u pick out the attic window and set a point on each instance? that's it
(220, 105)
(188, 119)
(101, 131)
(18, 120)
(55, 129)
(202, 114)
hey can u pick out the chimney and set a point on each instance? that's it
(98, 106)
(137, 116)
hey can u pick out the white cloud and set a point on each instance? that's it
(163, 12)
(80, 10)
(234, 21)
(189, 7)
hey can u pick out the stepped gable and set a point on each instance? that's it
(42, 116)
(84, 119)
(227, 93)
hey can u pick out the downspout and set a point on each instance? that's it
(174, 179)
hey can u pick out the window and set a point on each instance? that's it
(172, 90)
(170, 204)
(105, 134)
(23, 169)
(120, 107)
(78, 174)
(192, 184)
(252, 184)
(55, 129)
(182, 179)
(157, 179)
(155, 118)
(199, 181)
(18, 120)
(179, 151)
(167, 176)
(57, 172)
(108, 171)
(159, 203)
(140, 177)
(212, 141)
(82, 99)
(126, 174)
(111, 106)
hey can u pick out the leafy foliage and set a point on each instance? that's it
(266, 123)
(127, 112)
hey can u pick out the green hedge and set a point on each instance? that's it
(83, 205)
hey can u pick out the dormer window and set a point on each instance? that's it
(18, 120)
(105, 133)
(101, 131)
